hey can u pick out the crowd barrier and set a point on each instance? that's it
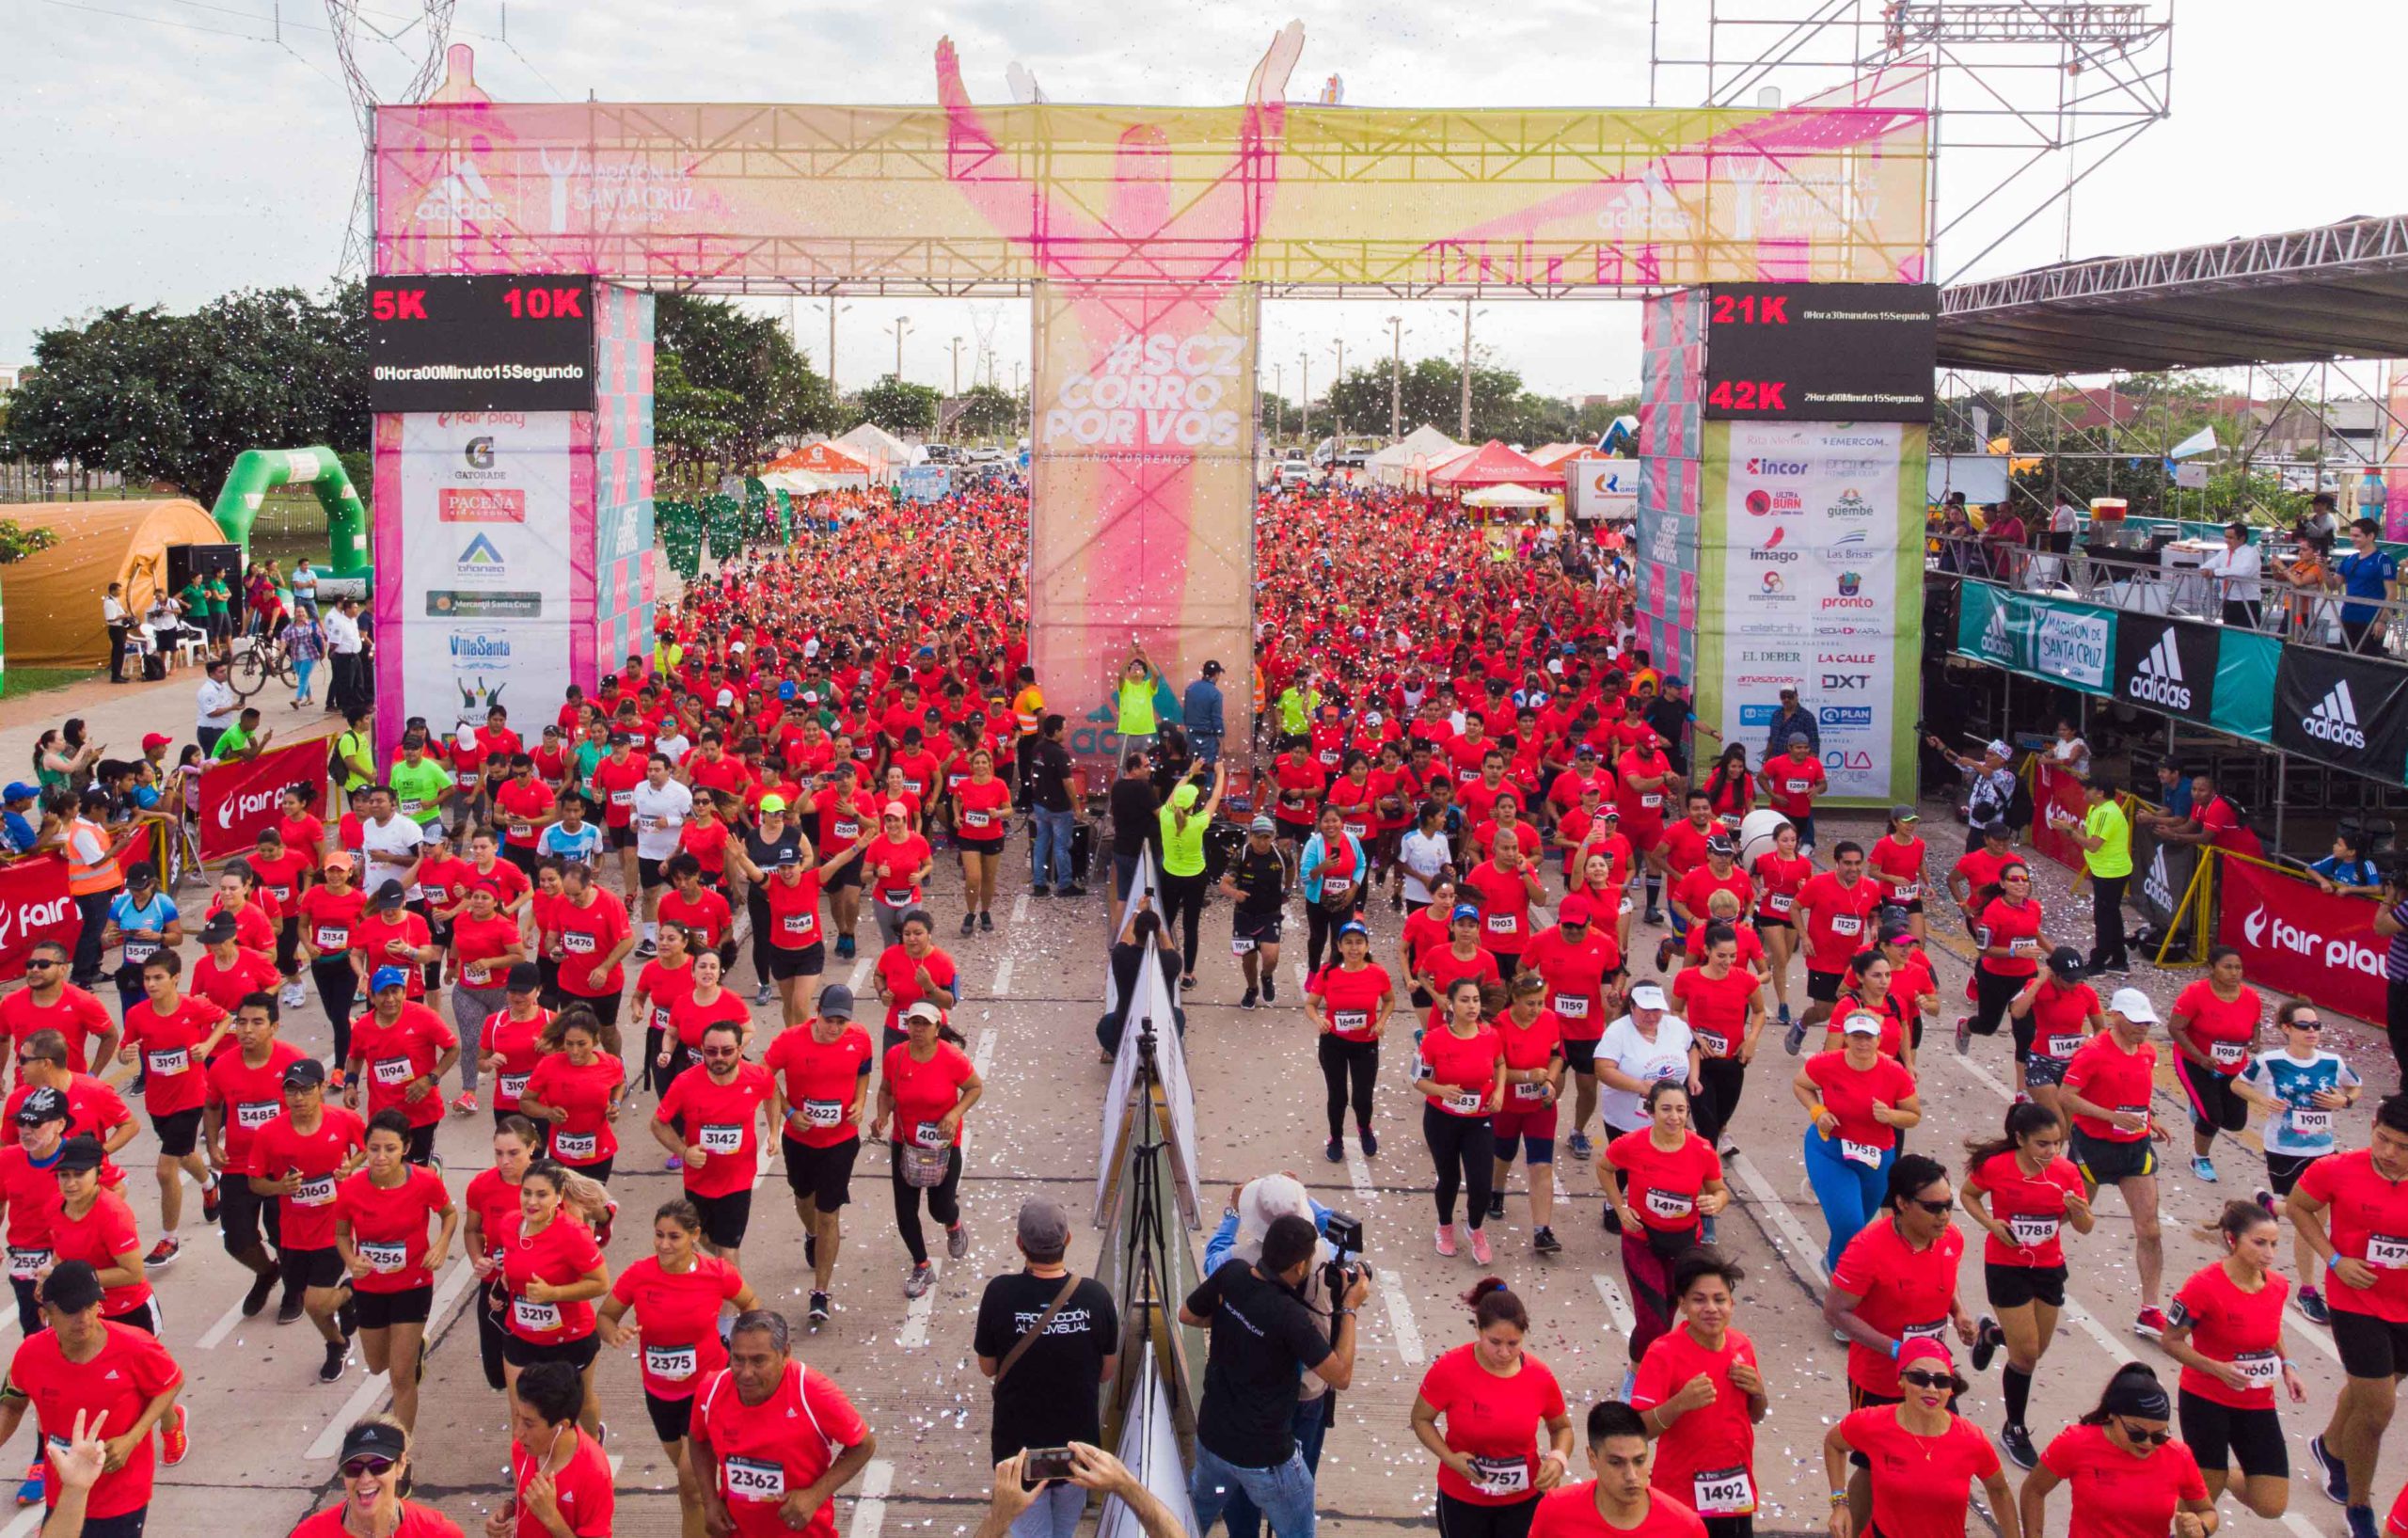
(236, 800)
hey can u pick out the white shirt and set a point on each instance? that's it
(390, 848)
(1423, 855)
(343, 631)
(2239, 570)
(216, 704)
(2063, 518)
(112, 611)
(659, 813)
(674, 746)
(1666, 1058)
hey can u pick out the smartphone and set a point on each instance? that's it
(1044, 1463)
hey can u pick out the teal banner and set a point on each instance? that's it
(2244, 697)
(2059, 641)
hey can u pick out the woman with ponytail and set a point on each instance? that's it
(2128, 1473)
(1494, 1397)
(2023, 1190)
(2225, 1328)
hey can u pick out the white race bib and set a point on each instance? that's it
(1670, 1204)
(1931, 1331)
(1502, 923)
(622, 798)
(25, 1265)
(1571, 1005)
(1239, 946)
(1501, 1476)
(513, 1084)
(2062, 1048)
(475, 974)
(1907, 891)
(721, 1138)
(1847, 923)
(1333, 887)
(394, 1071)
(2387, 1251)
(574, 943)
(1651, 799)
(1778, 903)
(974, 821)
(1533, 1092)
(170, 1060)
(1351, 1020)
(929, 1134)
(750, 1479)
(140, 951)
(317, 1193)
(822, 1113)
(1798, 787)
(522, 829)
(2032, 1230)
(385, 1260)
(673, 1364)
(530, 1315)
(1467, 1102)
(2263, 1369)
(1725, 1492)
(1713, 1044)
(2226, 1054)
(2311, 1121)
(1860, 1153)
(332, 937)
(578, 1147)
(251, 1114)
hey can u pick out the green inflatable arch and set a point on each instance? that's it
(259, 472)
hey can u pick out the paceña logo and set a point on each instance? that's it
(2159, 678)
(2335, 720)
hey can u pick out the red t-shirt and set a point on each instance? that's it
(1462, 1067)
(247, 1098)
(1570, 1511)
(678, 1316)
(1839, 923)
(1534, 1045)
(78, 1016)
(983, 808)
(2005, 923)
(896, 968)
(307, 1217)
(617, 781)
(170, 1049)
(524, 804)
(2103, 1073)
(2222, 1031)
(1665, 1185)
(777, 1448)
(1696, 890)
(2034, 1205)
(1496, 1421)
(513, 1041)
(1717, 1010)
(91, 1107)
(2117, 1494)
(1849, 1094)
(477, 942)
(1505, 907)
(823, 1081)
(1575, 975)
(1902, 1292)
(398, 1055)
(1792, 783)
(327, 919)
(562, 1253)
(926, 1092)
(2368, 1217)
(690, 1017)
(587, 1137)
(794, 911)
(389, 1227)
(582, 1490)
(1921, 1487)
(102, 1234)
(721, 1120)
(2061, 1018)
(586, 935)
(888, 865)
(2230, 1325)
(1782, 880)
(708, 912)
(1888, 857)
(223, 985)
(1709, 1441)
(132, 1368)
(374, 935)
(662, 985)
(1351, 999)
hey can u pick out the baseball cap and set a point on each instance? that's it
(389, 893)
(1799, 740)
(141, 873)
(1263, 825)
(1464, 911)
(73, 1286)
(80, 1151)
(1720, 843)
(1575, 910)
(1905, 814)
(773, 804)
(2066, 962)
(924, 1010)
(837, 1001)
(525, 978)
(788, 855)
(335, 860)
(1610, 814)
(1897, 929)
(218, 930)
(2133, 1005)
(19, 791)
(44, 1104)
(895, 809)
(370, 1439)
(1044, 1227)
(1181, 797)
(1212, 669)
(152, 741)
(1354, 927)
(1861, 1025)
(1647, 996)
(2001, 749)
(385, 978)
(304, 1073)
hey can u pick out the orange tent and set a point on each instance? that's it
(1493, 465)
(819, 458)
(55, 597)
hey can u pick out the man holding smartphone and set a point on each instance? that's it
(1049, 1341)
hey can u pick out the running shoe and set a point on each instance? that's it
(2265, 1198)
(29, 1492)
(763, 994)
(293, 996)
(1793, 1038)
(1369, 1139)
(2018, 1445)
(1497, 1204)
(986, 922)
(209, 1200)
(1655, 916)
(2361, 1521)
(1663, 953)
(2337, 1479)
(2150, 1322)
(1784, 1014)
(1545, 1242)
(291, 1309)
(164, 1253)
(1446, 1239)
(1964, 1034)
(262, 1285)
(175, 1440)
(969, 922)
(1248, 1002)
(957, 1242)
(2311, 1303)
(1270, 988)
(1577, 1145)
(923, 1277)
(2205, 1168)
(1988, 1338)
(819, 1308)
(646, 949)
(1480, 1251)
(467, 1105)
(330, 1371)
(1609, 1220)
(1037, 889)
(335, 1080)
(845, 947)
(1335, 1152)
(673, 1163)
(1071, 889)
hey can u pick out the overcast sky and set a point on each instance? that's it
(167, 150)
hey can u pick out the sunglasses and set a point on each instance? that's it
(1937, 1209)
(722, 1055)
(2307, 1025)
(1928, 1380)
(2148, 1438)
(40, 966)
(362, 1468)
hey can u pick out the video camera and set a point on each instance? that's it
(1345, 1234)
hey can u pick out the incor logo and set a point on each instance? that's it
(2335, 720)
(2159, 678)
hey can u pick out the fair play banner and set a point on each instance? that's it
(2295, 939)
(35, 905)
(237, 800)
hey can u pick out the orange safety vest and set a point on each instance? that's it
(84, 879)
(1028, 710)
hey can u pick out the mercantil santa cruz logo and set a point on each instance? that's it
(2159, 678)
(2335, 720)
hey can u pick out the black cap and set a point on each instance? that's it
(2066, 962)
(219, 929)
(80, 1151)
(837, 1001)
(525, 978)
(142, 873)
(370, 1439)
(71, 1287)
(389, 893)
(44, 1104)
(790, 855)
(305, 1073)
(1212, 669)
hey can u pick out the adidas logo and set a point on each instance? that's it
(2157, 885)
(2159, 678)
(1995, 640)
(464, 195)
(2335, 720)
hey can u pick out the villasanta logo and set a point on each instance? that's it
(462, 196)
(2345, 952)
(2159, 678)
(2335, 720)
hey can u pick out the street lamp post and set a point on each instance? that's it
(1305, 402)
(833, 311)
(903, 325)
(957, 366)
(1396, 377)
(1339, 429)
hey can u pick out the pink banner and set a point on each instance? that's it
(238, 799)
(33, 906)
(2295, 939)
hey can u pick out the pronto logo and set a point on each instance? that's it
(2159, 678)
(1849, 594)
(2273, 931)
(2335, 720)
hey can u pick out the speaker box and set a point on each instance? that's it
(185, 560)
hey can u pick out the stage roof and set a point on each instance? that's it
(2336, 291)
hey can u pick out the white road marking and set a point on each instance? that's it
(28, 1522)
(2302, 1327)
(1296, 969)
(1997, 1086)
(1004, 977)
(1020, 915)
(375, 1387)
(860, 973)
(982, 1056)
(869, 1510)
(1359, 1172)
(2301, 1525)
(1804, 1256)
(915, 1321)
(217, 1333)
(618, 1461)
(1617, 1305)
(1401, 1325)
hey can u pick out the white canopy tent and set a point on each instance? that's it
(1393, 464)
(1508, 494)
(810, 482)
(885, 454)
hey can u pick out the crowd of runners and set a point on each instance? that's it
(1528, 902)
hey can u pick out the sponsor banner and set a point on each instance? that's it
(2295, 939)
(2161, 874)
(2057, 803)
(2165, 666)
(450, 604)
(1816, 352)
(924, 483)
(36, 905)
(455, 673)
(239, 799)
(2072, 643)
(2344, 710)
(460, 472)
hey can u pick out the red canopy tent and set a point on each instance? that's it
(1492, 464)
(819, 459)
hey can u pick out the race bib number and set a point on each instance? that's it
(2062, 1048)
(475, 974)
(660, 1017)
(332, 937)
(622, 798)
(1651, 799)
(317, 1193)
(1352, 1020)
(1798, 787)
(1571, 1005)
(171, 1060)
(2311, 1121)
(578, 1147)
(2387, 1251)
(1931, 1331)
(522, 829)
(1847, 923)
(2263, 1369)
(1533, 1093)
(384, 1260)
(1713, 1043)
(798, 923)
(1356, 828)
(1504, 923)
(929, 1135)
(1333, 888)
(1725, 1492)
(2023, 946)
(1908, 890)
(822, 1113)
(1670, 1204)
(671, 1364)
(2031, 1230)
(2226, 1054)
(140, 951)
(25, 1265)
(750, 1479)
(1501, 1476)
(1778, 903)
(721, 1138)
(251, 1114)
(2140, 1111)
(1860, 1153)
(1467, 1102)
(1239, 946)
(844, 829)
(576, 944)
(976, 820)
(412, 806)
(513, 1086)
(530, 1315)
(393, 1071)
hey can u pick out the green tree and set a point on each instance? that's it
(899, 405)
(692, 424)
(761, 390)
(1430, 391)
(987, 411)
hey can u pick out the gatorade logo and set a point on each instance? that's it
(2335, 720)
(2159, 678)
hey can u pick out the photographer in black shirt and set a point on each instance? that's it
(1049, 1340)
(1262, 1335)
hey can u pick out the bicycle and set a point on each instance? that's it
(259, 663)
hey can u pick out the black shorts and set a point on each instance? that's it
(671, 1418)
(1581, 1055)
(2283, 1171)
(1263, 929)
(605, 1005)
(423, 1144)
(2043, 1070)
(1824, 987)
(724, 1218)
(823, 1175)
(312, 1267)
(2214, 1107)
(240, 1211)
(1763, 923)
(845, 877)
(2013, 1286)
(2104, 1161)
(144, 1316)
(2370, 1347)
(648, 872)
(179, 1132)
(810, 962)
(988, 848)
(383, 1311)
(619, 838)
(2219, 1437)
(578, 1354)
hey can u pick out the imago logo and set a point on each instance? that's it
(27, 918)
(2274, 932)
(250, 803)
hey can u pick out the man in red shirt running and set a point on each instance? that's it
(2352, 1210)
(2107, 1090)
(1617, 1504)
(772, 1442)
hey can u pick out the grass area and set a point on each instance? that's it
(18, 682)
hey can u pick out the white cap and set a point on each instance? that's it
(2001, 748)
(1647, 996)
(2133, 1005)
(1861, 1025)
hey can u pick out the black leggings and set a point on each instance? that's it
(1464, 1150)
(1722, 1078)
(1463, 1519)
(1183, 904)
(945, 1203)
(1341, 1062)
(1647, 1259)
(1320, 927)
(338, 990)
(756, 904)
(1992, 992)
(493, 1332)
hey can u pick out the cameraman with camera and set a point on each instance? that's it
(1263, 1335)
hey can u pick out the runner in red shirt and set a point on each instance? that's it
(331, 908)
(1576, 956)
(224, 970)
(1618, 1503)
(1833, 916)
(2010, 937)
(665, 980)
(381, 1217)
(1507, 886)
(49, 1002)
(2225, 1328)
(767, 1429)
(2130, 1478)
(525, 806)
(2107, 1090)
(678, 1296)
(709, 1119)
(2215, 1032)
(84, 1376)
(2056, 1012)
(1495, 1398)
(403, 1048)
(2022, 1191)
(1897, 860)
(1670, 1184)
(2352, 1210)
(1916, 1460)
(1461, 1077)
(823, 1066)
(691, 903)
(1781, 874)
(551, 1271)
(929, 1089)
(1533, 1043)
(560, 1480)
(576, 1089)
(1692, 895)
(589, 935)
(1642, 774)
(1723, 1004)
(389, 936)
(174, 1038)
(297, 1160)
(1791, 782)
(1705, 1446)
(245, 1090)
